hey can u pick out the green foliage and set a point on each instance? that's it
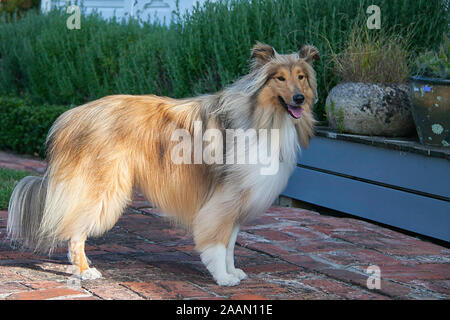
(199, 53)
(9, 9)
(375, 58)
(8, 180)
(24, 127)
(434, 64)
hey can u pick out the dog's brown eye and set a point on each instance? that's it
(300, 77)
(281, 78)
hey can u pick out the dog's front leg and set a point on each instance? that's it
(214, 258)
(215, 232)
(230, 256)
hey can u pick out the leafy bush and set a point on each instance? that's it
(24, 127)
(199, 53)
(16, 8)
(434, 64)
(8, 180)
(377, 59)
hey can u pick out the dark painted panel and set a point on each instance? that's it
(401, 209)
(403, 169)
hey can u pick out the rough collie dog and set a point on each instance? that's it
(98, 151)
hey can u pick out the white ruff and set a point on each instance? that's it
(264, 189)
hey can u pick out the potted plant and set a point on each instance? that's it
(373, 95)
(430, 93)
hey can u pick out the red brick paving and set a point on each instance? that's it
(288, 253)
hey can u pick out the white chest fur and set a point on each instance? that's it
(265, 188)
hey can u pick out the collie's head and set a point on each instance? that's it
(289, 79)
(282, 87)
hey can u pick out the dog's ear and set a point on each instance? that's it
(261, 54)
(309, 53)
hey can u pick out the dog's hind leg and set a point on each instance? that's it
(77, 257)
(101, 206)
(94, 221)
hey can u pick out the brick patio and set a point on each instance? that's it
(288, 253)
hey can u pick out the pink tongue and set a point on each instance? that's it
(296, 112)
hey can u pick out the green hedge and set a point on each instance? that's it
(10, 9)
(8, 180)
(202, 52)
(24, 127)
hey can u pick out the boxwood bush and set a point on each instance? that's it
(10, 9)
(8, 180)
(24, 127)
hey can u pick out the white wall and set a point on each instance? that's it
(145, 9)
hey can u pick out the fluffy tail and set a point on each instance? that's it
(25, 213)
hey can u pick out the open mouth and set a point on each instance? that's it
(294, 110)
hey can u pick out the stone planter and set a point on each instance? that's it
(431, 110)
(370, 109)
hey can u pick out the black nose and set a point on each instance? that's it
(298, 98)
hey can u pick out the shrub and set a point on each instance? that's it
(377, 59)
(199, 53)
(434, 64)
(15, 8)
(24, 127)
(8, 180)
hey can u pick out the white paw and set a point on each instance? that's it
(227, 280)
(90, 274)
(241, 275)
